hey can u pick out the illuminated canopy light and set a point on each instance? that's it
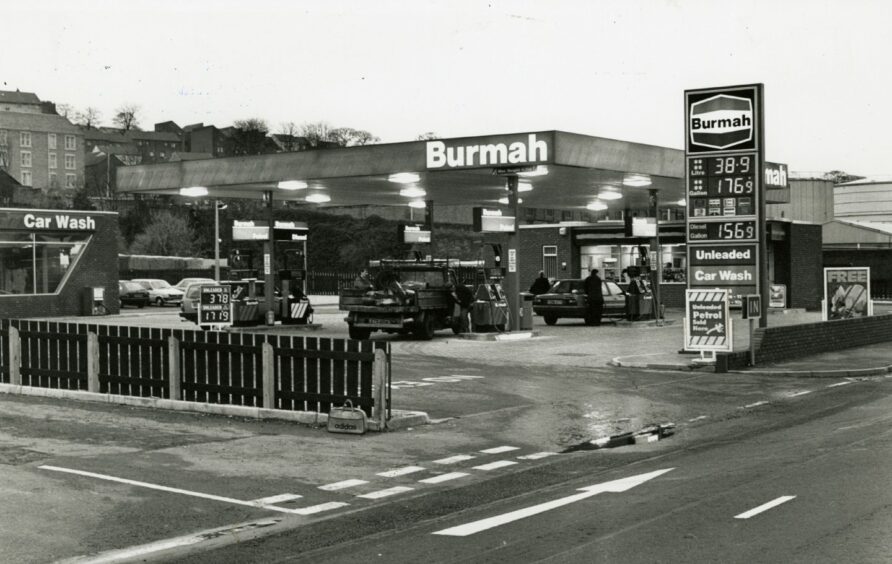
(417, 204)
(609, 195)
(413, 192)
(682, 202)
(318, 198)
(292, 185)
(523, 187)
(597, 206)
(637, 180)
(504, 200)
(194, 191)
(541, 170)
(404, 177)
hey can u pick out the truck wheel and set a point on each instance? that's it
(424, 327)
(359, 333)
(550, 319)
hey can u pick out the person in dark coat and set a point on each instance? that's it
(592, 286)
(363, 281)
(464, 299)
(540, 285)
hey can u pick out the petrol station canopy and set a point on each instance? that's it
(556, 169)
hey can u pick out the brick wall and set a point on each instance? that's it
(98, 266)
(530, 253)
(775, 344)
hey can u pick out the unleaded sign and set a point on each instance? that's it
(215, 305)
(707, 321)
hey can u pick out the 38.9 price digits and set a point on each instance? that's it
(737, 164)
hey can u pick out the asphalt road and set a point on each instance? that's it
(806, 482)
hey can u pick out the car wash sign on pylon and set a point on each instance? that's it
(724, 188)
(707, 321)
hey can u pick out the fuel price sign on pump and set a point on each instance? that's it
(215, 305)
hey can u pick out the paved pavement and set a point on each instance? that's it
(649, 346)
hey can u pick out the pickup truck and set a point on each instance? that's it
(406, 297)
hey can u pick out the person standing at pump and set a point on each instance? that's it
(363, 281)
(540, 284)
(592, 286)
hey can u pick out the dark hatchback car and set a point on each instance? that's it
(133, 294)
(566, 298)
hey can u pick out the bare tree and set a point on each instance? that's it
(320, 134)
(88, 118)
(126, 117)
(66, 111)
(317, 133)
(290, 138)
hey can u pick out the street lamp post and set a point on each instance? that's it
(217, 240)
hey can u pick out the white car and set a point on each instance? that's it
(161, 293)
(186, 282)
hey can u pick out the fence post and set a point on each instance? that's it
(92, 362)
(379, 380)
(268, 370)
(15, 357)
(173, 368)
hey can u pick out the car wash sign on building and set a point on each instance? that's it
(724, 187)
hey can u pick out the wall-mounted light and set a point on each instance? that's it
(541, 170)
(597, 206)
(194, 191)
(318, 198)
(292, 185)
(404, 177)
(413, 192)
(417, 204)
(504, 201)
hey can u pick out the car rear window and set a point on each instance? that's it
(133, 287)
(614, 288)
(566, 286)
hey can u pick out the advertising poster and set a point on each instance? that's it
(846, 293)
(707, 320)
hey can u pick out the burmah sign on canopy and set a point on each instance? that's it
(531, 150)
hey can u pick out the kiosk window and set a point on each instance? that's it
(36, 264)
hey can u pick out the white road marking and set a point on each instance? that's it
(499, 450)
(454, 459)
(536, 455)
(131, 553)
(802, 393)
(272, 500)
(615, 486)
(495, 465)
(162, 488)
(342, 485)
(846, 383)
(698, 418)
(313, 509)
(386, 493)
(765, 507)
(757, 404)
(400, 471)
(443, 478)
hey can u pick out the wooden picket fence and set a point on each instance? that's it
(287, 372)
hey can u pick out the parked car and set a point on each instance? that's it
(161, 293)
(131, 293)
(186, 282)
(566, 298)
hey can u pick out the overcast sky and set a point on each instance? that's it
(460, 68)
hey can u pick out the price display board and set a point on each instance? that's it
(730, 231)
(722, 186)
(215, 305)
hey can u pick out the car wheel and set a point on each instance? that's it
(120, 304)
(359, 333)
(550, 319)
(141, 305)
(159, 302)
(424, 327)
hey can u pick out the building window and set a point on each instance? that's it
(70, 180)
(25, 138)
(33, 265)
(70, 143)
(550, 261)
(26, 178)
(26, 158)
(54, 181)
(51, 141)
(69, 162)
(53, 161)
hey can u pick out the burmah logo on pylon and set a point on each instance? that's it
(721, 122)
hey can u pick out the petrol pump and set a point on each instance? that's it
(490, 309)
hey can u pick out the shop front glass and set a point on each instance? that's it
(613, 261)
(37, 263)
